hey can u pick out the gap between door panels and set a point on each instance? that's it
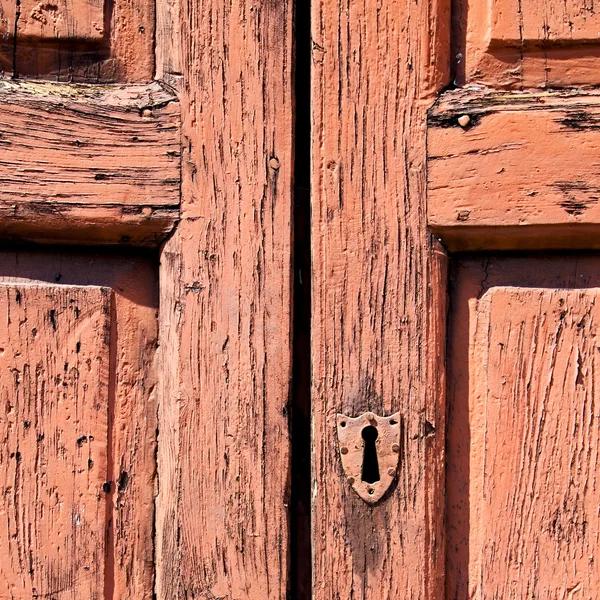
(300, 527)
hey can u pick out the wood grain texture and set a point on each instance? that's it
(54, 456)
(169, 43)
(38, 20)
(553, 22)
(128, 480)
(520, 44)
(377, 292)
(222, 508)
(523, 498)
(85, 41)
(523, 173)
(86, 163)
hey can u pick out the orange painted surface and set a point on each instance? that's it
(522, 173)
(83, 529)
(517, 44)
(513, 22)
(522, 458)
(106, 164)
(223, 508)
(39, 20)
(194, 488)
(78, 40)
(378, 293)
(55, 395)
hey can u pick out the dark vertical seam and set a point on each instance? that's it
(300, 575)
(15, 75)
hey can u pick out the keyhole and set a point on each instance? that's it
(370, 466)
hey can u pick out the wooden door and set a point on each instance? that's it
(145, 299)
(496, 187)
(512, 186)
(90, 174)
(224, 224)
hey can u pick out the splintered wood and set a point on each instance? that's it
(54, 406)
(87, 164)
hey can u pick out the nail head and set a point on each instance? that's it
(464, 120)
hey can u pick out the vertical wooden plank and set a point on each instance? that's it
(378, 297)
(168, 529)
(222, 507)
(168, 46)
(54, 455)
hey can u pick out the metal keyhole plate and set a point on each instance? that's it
(359, 437)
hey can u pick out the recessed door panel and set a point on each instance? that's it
(523, 429)
(78, 333)
(54, 406)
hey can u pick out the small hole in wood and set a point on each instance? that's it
(343, 424)
(393, 422)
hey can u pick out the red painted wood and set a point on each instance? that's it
(522, 498)
(223, 515)
(522, 43)
(508, 177)
(127, 458)
(377, 293)
(78, 40)
(54, 456)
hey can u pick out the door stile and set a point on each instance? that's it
(378, 292)
(224, 444)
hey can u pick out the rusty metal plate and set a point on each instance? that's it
(370, 449)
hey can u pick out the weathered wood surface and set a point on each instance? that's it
(555, 22)
(222, 508)
(523, 438)
(54, 456)
(169, 43)
(34, 20)
(88, 163)
(128, 479)
(78, 40)
(523, 173)
(377, 291)
(510, 43)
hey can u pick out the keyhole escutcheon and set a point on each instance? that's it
(369, 450)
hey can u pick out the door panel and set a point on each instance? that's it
(105, 549)
(54, 405)
(527, 43)
(522, 445)
(78, 40)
